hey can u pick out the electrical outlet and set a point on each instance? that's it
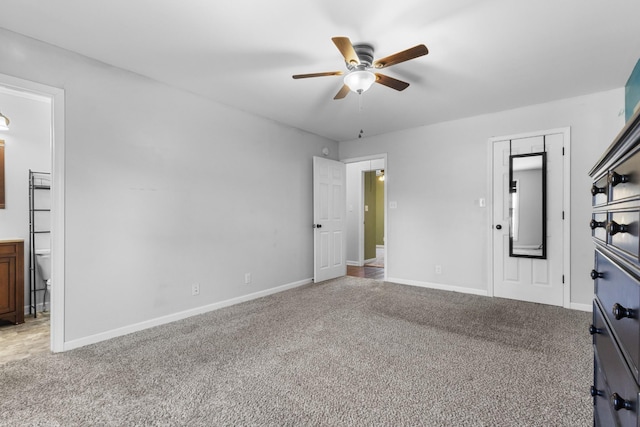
(195, 289)
(438, 269)
(247, 278)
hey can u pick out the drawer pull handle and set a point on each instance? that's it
(615, 228)
(615, 178)
(595, 392)
(620, 312)
(596, 275)
(597, 190)
(619, 403)
(597, 224)
(593, 330)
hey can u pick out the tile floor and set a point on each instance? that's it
(21, 341)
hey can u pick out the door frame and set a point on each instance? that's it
(566, 200)
(381, 156)
(57, 297)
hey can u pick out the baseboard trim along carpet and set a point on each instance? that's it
(581, 307)
(103, 336)
(439, 286)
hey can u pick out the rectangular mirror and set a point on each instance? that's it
(528, 210)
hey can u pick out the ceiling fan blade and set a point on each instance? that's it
(399, 57)
(346, 49)
(328, 73)
(344, 91)
(391, 82)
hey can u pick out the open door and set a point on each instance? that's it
(329, 219)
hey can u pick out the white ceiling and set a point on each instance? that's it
(485, 55)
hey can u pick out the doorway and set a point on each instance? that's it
(536, 274)
(36, 142)
(366, 217)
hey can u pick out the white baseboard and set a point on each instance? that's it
(581, 307)
(103, 336)
(354, 263)
(482, 292)
(369, 261)
(429, 285)
(39, 308)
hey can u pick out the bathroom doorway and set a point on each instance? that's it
(31, 143)
(366, 217)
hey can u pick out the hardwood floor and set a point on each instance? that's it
(21, 341)
(376, 273)
(373, 270)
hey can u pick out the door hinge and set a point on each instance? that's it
(563, 278)
(563, 151)
(562, 214)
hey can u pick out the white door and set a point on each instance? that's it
(329, 219)
(529, 279)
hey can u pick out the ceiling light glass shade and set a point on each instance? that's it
(4, 122)
(360, 80)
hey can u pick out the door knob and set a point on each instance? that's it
(498, 227)
(317, 225)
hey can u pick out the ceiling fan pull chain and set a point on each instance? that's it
(360, 114)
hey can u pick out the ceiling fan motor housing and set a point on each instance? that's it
(365, 54)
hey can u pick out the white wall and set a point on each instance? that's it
(27, 146)
(165, 189)
(436, 174)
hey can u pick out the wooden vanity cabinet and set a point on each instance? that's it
(12, 280)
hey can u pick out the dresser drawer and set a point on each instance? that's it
(622, 228)
(620, 387)
(600, 191)
(623, 179)
(619, 295)
(603, 413)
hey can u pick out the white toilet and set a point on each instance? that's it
(43, 270)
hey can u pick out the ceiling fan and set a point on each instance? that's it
(359, 61)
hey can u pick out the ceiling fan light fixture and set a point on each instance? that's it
(4, 122)
(359, 80)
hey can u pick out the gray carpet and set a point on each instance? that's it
(350, 351)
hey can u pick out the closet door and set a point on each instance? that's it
(529, 279)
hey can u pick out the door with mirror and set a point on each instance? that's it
(528, 201)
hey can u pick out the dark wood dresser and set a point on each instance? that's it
(12, 280)
(615, 221)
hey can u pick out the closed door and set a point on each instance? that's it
(523, 278)
(329, 211)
